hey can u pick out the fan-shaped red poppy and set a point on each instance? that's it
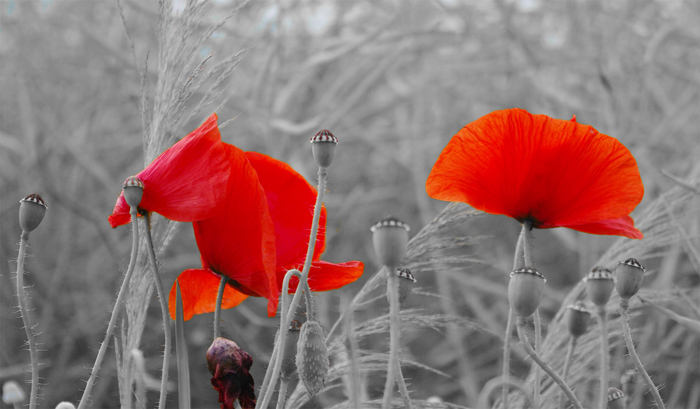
(186, 182)
(551, 172)
(291, 201)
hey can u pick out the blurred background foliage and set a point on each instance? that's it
(393, 80)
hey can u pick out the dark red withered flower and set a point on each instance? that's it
(186, 182)
(291, 202)
(551, 172)
(229, 366)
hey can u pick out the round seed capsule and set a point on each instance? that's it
(599, 285)
(323, 147)
(525, 290)
(628, 278)
(312, 357)
(577, 319)
(390, 239)
(133, 191)
(31, 212)
(616, 399)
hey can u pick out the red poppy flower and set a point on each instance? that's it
(291, 202)
(551, 172)
(186, 182)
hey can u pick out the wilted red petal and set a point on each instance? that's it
(230, 369)
(186, 182)
(533, 167)
(198, 290)
(239, 240)
(325, 276)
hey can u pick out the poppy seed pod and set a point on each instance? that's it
(525, 290)
(577, 319)
(390, 238)
(312, 357)
(133, 191)
(323, 147)
(628, 278)
(599, 285)
(616, 399)
(406, 282)
(290, 349)
(31, 212)
(12, 393)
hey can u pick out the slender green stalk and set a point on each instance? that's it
(509, 325)
(624, 306)
(183, 366)
(164, 313)
(217, 309)
(282, 396)
(115, 312)
(33, 353)
(394, 367)
(538, 349)
(604, 357)
(286, 319)
(567, 364)
(555, 377)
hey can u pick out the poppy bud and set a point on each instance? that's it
(390, 238)
(628, 278)
(230, 366)
(628, 380)
(12, 393)
(599, 285)
(577, 319)
(133, 191)
(406, 282)
(525, 290)
(65, 405)
(31, 212)
(312, 357)
(323, 147)
(290, 349)
(616, 399)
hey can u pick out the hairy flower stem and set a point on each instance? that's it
(115, 312)
(535, 357)
(286, 319)
(527, 227)
(509, 325)
(282, 396)
(24, 237)
(163, 310)
(567, 364)
(624, 306)
(604, 358)
(217, 309)
(394, 367)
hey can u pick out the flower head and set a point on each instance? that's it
(186, 182)
(550, 172)
(229, 366)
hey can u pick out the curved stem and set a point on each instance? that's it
(115, 312)
(217, 308)
(24, 237)
(567, 364)
(494, 383)
(394, 366)
(528, 348)
(509, 324)
(604, 358)
(164, 313)
(624, 305)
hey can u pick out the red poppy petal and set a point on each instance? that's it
(198, 289)
(291, 200)
(120, 214)
(621, 226)
(187, 181)
(239, 240)
(325, 276)
(532, 167)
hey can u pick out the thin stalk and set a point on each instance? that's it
(24, 237)
(495, 383)
(164, 313)
(115, 312)
(555, 377)
(282, 396)
(286, 319)
(509, 325)
(394, 366)
(624, 305)
(567, 364)
(217, 309)
(527, 226)
(604, 358)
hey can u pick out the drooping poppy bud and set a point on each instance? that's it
(577, 319)
(390, 238)
(312, 357)
(628, 380)
(599, 285)
(323, 147)
(525, 290)
(12, 394)
(65, 405)
(230, 369)
(290, 350)
(616, 399)
(31, 212)
(628, 278)
(406, 282)
(133, 191)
